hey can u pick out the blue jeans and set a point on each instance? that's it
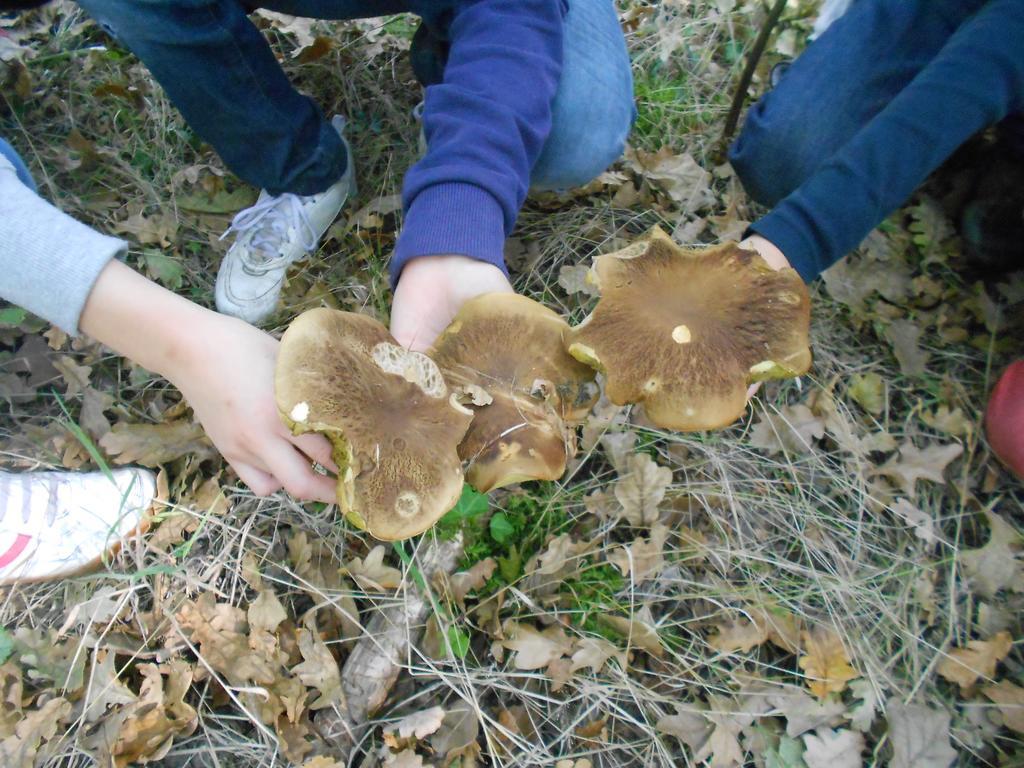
(220, 73)
(7, 151)
(842, 81)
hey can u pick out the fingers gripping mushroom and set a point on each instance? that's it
(513, 348)
(388, 412)
(685, 331)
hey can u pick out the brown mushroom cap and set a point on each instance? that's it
(514, 349)
(685, 331)
(391, 419)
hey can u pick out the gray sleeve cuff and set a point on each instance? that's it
(49, 262)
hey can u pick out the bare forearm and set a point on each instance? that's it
(148, 324)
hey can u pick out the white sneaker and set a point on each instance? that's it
(57, 524)
(271, 236)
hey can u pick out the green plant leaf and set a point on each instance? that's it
(221, 201)
(165, 269)
(511, 566)
(502, 528)
(6, 645)
(458, 642)
(12, 317)
(790, 754)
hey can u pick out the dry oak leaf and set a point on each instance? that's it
(418, 725)
(145, 730)
(154, 444)
(915, 464)
(994, 566)
(919, 736)
(793, 429)
(638, 632)
(219, 630)
(1009, 698)
(35, 728)
(863, 715)
(905, 337)
(322, 762)
(737, 636)
(457, 736)
(825, 662)
(318, 669)
(594, 651)
(642, 489)
(407, 758)
(802, 712)
(644, 558)
(964, 666)
(266, 611)
(534, 649)
(826, 748)
(371, 574)
(922, 523)
(691, 728)
(464, 582)
(104, 690)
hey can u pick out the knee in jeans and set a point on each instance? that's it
(578, 152)
(770, 158)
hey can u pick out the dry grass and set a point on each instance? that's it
(801, 530)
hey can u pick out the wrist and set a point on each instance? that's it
(768, 251)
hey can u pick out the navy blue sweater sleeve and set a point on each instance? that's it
(976, 79)
(485, 124)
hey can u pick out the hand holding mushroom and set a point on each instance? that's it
(432, 289)
(684, 332)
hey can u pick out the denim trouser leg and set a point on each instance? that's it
(7, 151)
(593, 110)
(843, 79)
(221, 74)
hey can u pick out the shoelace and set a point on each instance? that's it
(269, 220)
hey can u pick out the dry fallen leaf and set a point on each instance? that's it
(104, 689)
(154, 444)
(680, 176)
(318, 669)
(919, 736)
(913, 464)
(642, 489)
(802, 712)
(1009, 698)
(639, 631)
(644, 558)
(868, 391)
(534, 649)
(691, 728)
(464, 582)
(266, 611)
(905, 337)
(35, 728)
(372, 575)
(996, 565)
(793, 429)
(863, 715)
(922, 523)
(952, 422)
(418, 725)
(825, 662)
(826, 748)
(978, 659)
(594, 651)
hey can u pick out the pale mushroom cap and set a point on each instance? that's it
(514, 348)
(388, 413)
(685, 331)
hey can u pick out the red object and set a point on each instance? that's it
(20, 542)
(1004, 419)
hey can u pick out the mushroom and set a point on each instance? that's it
(513, 348)
(685, 331)
(393, 423)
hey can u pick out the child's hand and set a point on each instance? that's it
(430, 292)
(229, 382)
(225, 369)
